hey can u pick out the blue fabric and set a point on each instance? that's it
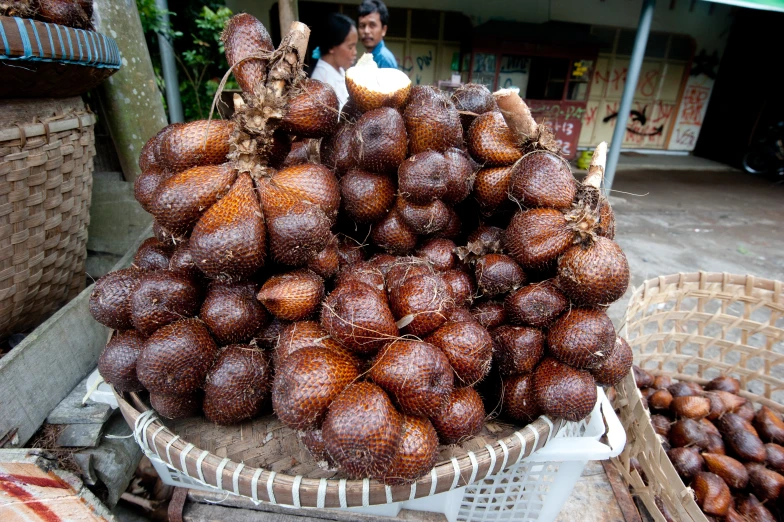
(384, 57)
(316, 54)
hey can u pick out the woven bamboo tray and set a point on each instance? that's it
(39, 59)
(695, 327)
(46, 165)
(264, 460)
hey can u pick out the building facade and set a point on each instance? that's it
(568, 58)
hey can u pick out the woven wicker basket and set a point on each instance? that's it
(695, 327)
(265, 461)
(46, 151)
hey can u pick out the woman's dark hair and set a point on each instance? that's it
(333, 31)
(374, 6)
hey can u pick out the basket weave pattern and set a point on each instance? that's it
(263, 460)
(45, 188)
(695, 327)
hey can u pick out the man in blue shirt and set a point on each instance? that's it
(373, 19)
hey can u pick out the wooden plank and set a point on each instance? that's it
(621, 491)
(30, 491)
(44, 368)
(72, 411)
(196, 512)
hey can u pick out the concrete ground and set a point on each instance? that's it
(687, 221)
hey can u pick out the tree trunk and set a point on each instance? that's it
(130, 98)
(289, 12)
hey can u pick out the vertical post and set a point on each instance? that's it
(632, 75)
(169, 67)
(288, 11)
(129, 98)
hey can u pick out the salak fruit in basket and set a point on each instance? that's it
(387, 275)
(730, 458)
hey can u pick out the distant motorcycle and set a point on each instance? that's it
(766, 155)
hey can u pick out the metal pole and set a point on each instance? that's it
(169, 66)
(632, 75)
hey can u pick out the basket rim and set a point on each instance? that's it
(261, 485)
(640, 432)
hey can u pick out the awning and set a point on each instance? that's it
(766, 5)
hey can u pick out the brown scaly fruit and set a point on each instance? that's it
(724, 383)
(469, 348)
(462, 418)
(420, 303)
(432, 121)
(688, 432)
(459, 315)
(483, 240)
(404, 268)
(110, 300)
(232, 312)
(613, 369)
(416, 375)
(176, 358)
(498, 274)
(764, 482)
(713, 495)
(350, 250)
(536, 237)
(162, 297)
(307, 382)
(327, 262)
(460, 170)
(729, 469)
(117, 364)
(63, 12)
(537, 305)
(313, 111)
(317, 446)
(358, 318)
(583, 338)
(299, 235)
(491, 188)
(181, 199)
(244, 36)
(176, 406)
(303, 334)
(371, 87)
(453, 229)
(237, 385)
(684, 389)
(542, 179)
(686, 461)
(300, 153)
(519, 400)
(597, 274)
(363, 272)
(741, 437)
(491, 142)
(423, 177)
(564, 392)
(642, 378)
(366, 197)
(335, 150)
(230, 241)
(659, 400)
(426, 219)
(471, 100)
(490, 314)
(769, 425)
(417, 453)
(182, 261)
(379, 141)
(306, 183)
(690, 407)
(292, 296)
(661, 424)
(393, 235)
(517, 349)
(268, 335)
(152, 255)
(202, 142)
(147, 183)
(461, 286)
(752, 509)
(775, 456)
(363, 430)
(440, 252)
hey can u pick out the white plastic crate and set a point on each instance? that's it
(535, 489)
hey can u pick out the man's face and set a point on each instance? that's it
(371, 32)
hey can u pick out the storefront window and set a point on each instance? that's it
(547, 78)
(579, 79)
(483, 70)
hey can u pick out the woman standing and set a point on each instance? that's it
(336, 52)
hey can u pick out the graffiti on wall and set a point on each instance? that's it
(694, 102)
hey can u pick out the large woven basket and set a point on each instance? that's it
(264, 460)
(695, 327)
(46, 166)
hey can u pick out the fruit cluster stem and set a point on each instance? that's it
(516, 113)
